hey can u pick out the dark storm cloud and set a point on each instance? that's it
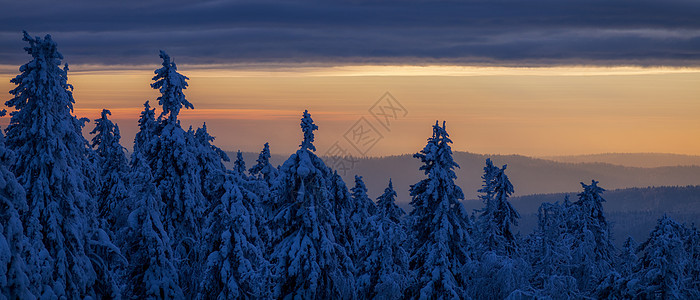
(489, 32)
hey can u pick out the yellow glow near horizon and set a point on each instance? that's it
(489, 109)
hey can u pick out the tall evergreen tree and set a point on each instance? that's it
(500, 269)
(628, 257)
(171, 85)
(386, 205)
(549, 253)
(236, 267)
(151, 273)
(661, 272)
(362, 209)
(239, 164)
(113, 166)
(178, 176)
(383, 270)
(53, 165)
(14, 244)
(593, 254)
(210, 165)
(263, 169)
(147, 136)
(307, 259)
(498, 215)
(440, 225)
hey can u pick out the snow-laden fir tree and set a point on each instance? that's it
(152, 273)
(263, 169)
(236, 267)
(661, 271)
(592, 251)
(177, 174)
(344, 228)
(617, 284)
(498, 215)
(147, 136)
(628, 257)
(693, 266)
(440, 225)
(113, 166)
(308, 261)
(549, 253)
(171, 86)
(54, 167)
(362, 209)
(211, 165)
(14, 244)
(383, 268)
(239, 164)
(499, 270)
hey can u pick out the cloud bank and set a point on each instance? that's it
(491, 32)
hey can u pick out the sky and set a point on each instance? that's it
(537, 77)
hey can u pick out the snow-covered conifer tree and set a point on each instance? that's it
(307, 259)
(152, 273)
(440, 225)
(661, 271)
(236, 267)
(383, 268)
(628, 257)
(263, 169)
(113, 166)
(500, 270)
(498, 215)
(362, 209)
(211, 166)
(171, 86)
(147, 135)
(177, 174)
(593, 254)
(386, 204)
(53, 164)
(239, 164)
(14, 244)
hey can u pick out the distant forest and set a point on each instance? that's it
(81, 220)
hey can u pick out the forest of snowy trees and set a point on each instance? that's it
(80, 219)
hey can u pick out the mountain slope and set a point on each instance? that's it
(642, 160)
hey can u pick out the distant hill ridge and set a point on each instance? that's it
(641, 160)
(529, 175)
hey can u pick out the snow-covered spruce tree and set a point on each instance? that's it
(113, 166)
(661, 271)
(14, 244)
(440, 225)
(628, 257)
(239, 164)
(236, 267)
(147, 137)
(211, 167)
(549, 252)
(345, 230)
(308, 261)
(383, 270)
(151, 273)
(362, 209)
(263, 169)
(592, 251)
(53, 164)
(178, 177)
(693, 267)
(500, 270)
(496, 218)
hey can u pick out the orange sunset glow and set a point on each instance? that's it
(531, 111)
